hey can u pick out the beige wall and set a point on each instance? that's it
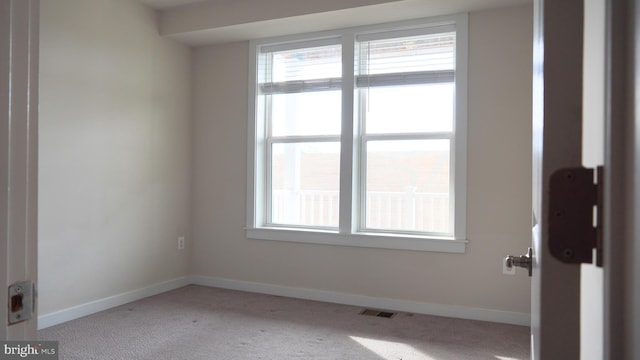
(114, 152)
(499, 186)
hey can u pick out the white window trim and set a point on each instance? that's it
(348, 234)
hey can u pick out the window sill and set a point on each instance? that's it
(380, 241)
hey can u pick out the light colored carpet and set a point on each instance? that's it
(197, 322)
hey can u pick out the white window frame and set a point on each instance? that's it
(348, 233)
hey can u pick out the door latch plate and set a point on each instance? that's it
(575, 215)
(21, 302)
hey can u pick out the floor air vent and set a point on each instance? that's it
(384, 314)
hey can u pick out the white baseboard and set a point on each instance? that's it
(58, 317)
(452, 311)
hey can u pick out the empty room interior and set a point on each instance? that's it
(152, 178)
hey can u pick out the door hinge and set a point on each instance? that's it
(575, 215)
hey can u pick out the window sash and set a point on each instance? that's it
(364, 139)
(268, 181)
(362, 189)
(380, 61)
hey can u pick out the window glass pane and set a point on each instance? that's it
(408, 109)
(304, 185)
(408, 54)
(302, 64)
(407, 186)
(309, 113)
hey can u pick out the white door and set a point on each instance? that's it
(609, 327)
(557, 142)
(593, 135)
(18, 161)
(622, 183)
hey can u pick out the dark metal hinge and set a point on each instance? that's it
(575, 215)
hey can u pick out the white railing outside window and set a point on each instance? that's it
(407, 211)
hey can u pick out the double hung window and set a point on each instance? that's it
(358, 137)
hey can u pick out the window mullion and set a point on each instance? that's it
(268, 142)
(409, 136)
(305, 138)
(268, 154)
(347, 139)
(362, 176)
(267, 183)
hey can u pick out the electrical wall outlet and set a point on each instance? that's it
(181, 243)
(508, 270)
